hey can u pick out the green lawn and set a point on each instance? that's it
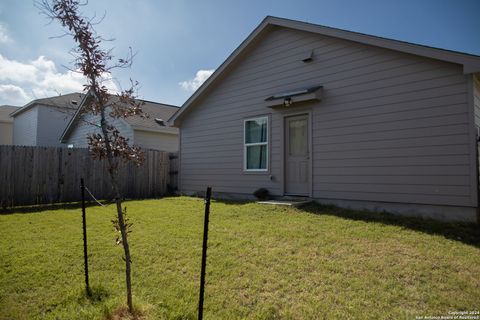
(264, 262)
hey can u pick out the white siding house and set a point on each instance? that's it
(42, 121)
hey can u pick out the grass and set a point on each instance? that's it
(264, 262)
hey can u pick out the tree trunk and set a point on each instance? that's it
(123, 232)
(126, 250)
(121, 223)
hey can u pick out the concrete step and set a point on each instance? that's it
(287, 202)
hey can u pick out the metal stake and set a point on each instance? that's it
(84, 221)
(204, 252)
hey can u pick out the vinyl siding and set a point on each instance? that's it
(156, 140)
(25, 128)
(51, 124)
(85, 126)
(391, 126)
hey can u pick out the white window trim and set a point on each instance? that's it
(245, 145)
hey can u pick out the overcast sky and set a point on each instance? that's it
(179, 42)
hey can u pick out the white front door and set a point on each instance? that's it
(297, 156)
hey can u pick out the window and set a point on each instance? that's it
(256, 144)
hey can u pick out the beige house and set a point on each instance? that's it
(6, 124)
(340, 117)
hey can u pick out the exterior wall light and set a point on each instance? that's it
(287, 102)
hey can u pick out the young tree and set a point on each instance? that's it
(95, 63)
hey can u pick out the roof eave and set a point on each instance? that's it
(23, 109)
(167, 130)
(69, 126)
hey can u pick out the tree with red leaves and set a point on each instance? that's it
(95, 63)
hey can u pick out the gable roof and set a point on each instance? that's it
(470, 63)
(5, 112)
(153, 110)
(64, 101)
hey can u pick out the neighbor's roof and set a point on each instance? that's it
(64, 101)
(470, 63)
(152, 111)
(5, 112)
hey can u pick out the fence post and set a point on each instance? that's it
(204, 253)
(84, 222)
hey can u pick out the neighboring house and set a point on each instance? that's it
(150, 132)
(6, 124)
(42, 121)
(338, 116)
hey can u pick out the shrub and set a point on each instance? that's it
(261, 194)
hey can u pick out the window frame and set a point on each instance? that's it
(246, 145)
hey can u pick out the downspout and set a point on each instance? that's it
(477, 140)
(477, 170)
(476, 136)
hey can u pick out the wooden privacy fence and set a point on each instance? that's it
(41, 175)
